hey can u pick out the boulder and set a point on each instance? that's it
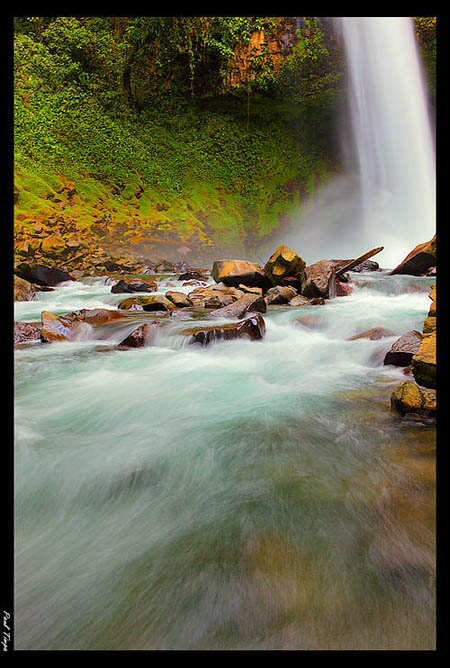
(424, 361)
(402, 350)
(408, 397)
(143, 335)
(23, 290)
(97, 316)
(419, 260)
(179, 299)
(216, 298)
(235, 272)
(253, 328)
(40, 274)
(240, 307)
(320, 280)
(342, 290)
(282, 263)
(134, 286)
(298, 300)
(280, 294)
(191, 275)
(247, 288)
(25, 332)
(293, 282)
(60, 328)
(151, 303)
(373, 334)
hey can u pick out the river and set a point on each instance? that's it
(246, 495)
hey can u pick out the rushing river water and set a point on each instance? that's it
(247, 495)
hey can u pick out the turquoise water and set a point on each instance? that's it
(247, 495)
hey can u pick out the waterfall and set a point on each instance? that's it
(391, 133)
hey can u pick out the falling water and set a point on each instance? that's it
(391, 132)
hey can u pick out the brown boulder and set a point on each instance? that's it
(60, 328)
(408, 397)
(41, 275)
(402, 350)
(282, 263)
(320, 280)
(25, 332)
(216, 298)
(134, 286)
(373, 334)
(280, 294)
(143, 335)
(244, 305)
(179, 299)
(234, 272)
(151, 303)
(253, 328)
(419, 260)
(23, 290)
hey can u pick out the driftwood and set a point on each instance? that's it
(358, 260)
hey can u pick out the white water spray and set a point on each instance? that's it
(392, 133)
(387, 196)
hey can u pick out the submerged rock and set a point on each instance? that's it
(235, 272)
(320, 280)
(143, 335)
(402, 350)
(284, 263)
(419, 260)
(240, 307)
(373, 334)
(253, 328)
(408, 397)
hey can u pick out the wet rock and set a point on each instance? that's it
(284, 263)
(143, 335)
(244, 305)
(419, 260)
(25, 332)
(191, 275)
(98, 316)
(151, 303)
(246, 288)
(373, 334)
(402, 350)
(320, 280)
(179, 299)
(280, 294)
(23, 290)
(424, 361)
(342, 290)
(299, 300)
(293, 282)
(60, 328)
(235, 272)
(408, 397)
(253, 328)
(133, 286)
(216, 298)
(40, 274)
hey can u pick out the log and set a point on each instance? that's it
(361, 258)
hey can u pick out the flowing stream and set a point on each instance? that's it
(246, 495)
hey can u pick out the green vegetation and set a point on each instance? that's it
(139, 115)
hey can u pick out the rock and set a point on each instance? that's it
(152, 303)
(342, 290)
(179, 299)
(23, 290)
(244, 305)
(41, 275)
(235, 272)
(280, 294)
(200, 296)
(373, 334)
(191, 275)
(253, 328)
(320, 280)
(134, 286)
(402, 350)
(293, 282)
(53, 246)
(282, 263)
(424, 361)
(143, 335)
(299, 301)
(246, 288)
(368, 265)
(24, 332)
(60, 328)
(419, 260)
(408, 397)
(164, 267)
(98, 316)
